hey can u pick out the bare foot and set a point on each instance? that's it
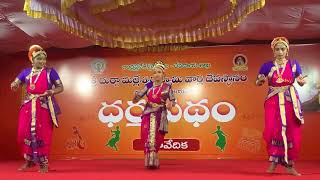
(292, 171)
(44, 169)
(272, 168)
(27, 165)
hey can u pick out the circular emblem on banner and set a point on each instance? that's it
(98, 66)
(240, 62)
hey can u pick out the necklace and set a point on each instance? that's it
(154, 95)
(280, 79)
(33, 84)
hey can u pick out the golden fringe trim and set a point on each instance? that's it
(115, 4)
(195, 28)
(138, 41)
(160, 48)
(65, 6)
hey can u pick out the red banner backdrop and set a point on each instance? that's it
(219, 112)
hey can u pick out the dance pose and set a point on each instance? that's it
(154, 123)
(283, 114)
(39, 110)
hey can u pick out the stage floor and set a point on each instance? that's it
(170, 169)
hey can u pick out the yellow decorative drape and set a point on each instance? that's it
(137, 40)
(110, 6)
(160, 48)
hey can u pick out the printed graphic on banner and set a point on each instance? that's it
(76, 141)
(219, 111)
(240, 62)
(115, 138)
(195, 113)
(138, 80)
(250, 140)
(222, 140)
(171, 145)
(98, 66)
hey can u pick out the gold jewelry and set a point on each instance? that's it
(280, 79)
(154, 95)
(281, 61)
(33, 84)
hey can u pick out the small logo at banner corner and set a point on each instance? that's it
(240, 62)
(98, 66)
